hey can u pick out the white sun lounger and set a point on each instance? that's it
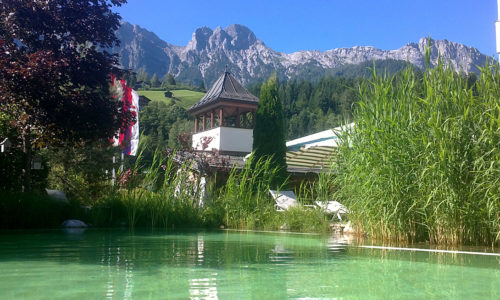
(284, 199)
(332, 207)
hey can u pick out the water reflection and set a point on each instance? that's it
(202, 287)
(281, 255)
(338, 243)
(212, 265)
(74, 233)
(201, 248)
(129, 274)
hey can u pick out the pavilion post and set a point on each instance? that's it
(245, 120)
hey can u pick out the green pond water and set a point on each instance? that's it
(119, 264)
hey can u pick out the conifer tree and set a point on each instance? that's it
(154, 81)
(202, 86)
(143, 77)
(268, 134)
(168, 80)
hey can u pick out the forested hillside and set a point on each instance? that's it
(313, 100)
(314, 106)
(314, 73)
(308, 107)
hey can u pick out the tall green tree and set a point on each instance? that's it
(54, 83)
(202, 86)
(168, 80)
(143, 77)
(154, 81)
(131, 78)
(157, 118)
(269, 134)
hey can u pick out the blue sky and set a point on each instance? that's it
(290, 25)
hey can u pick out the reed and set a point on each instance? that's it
(153, 195)
(244, 202)
(162, 194)
(304, 220)
(244, 199)
(423, 161)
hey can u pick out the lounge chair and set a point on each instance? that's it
(284, 199)
(332, 207)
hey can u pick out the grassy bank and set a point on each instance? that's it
(423, 161)
(159, 196)
(163, 194)
(185, 98)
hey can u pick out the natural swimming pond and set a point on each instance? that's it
(119, 264)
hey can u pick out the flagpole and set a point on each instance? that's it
(121, 166)
(497, 27)
(113, 173)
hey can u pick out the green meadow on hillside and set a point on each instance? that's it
(186, 98)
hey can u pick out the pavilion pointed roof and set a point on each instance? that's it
(226, 88)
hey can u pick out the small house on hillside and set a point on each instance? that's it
(225, 118)
(143, 101)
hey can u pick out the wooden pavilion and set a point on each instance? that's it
(225, 118)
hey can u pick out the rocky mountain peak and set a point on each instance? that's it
(234, 37)
(241, 37)
(461, 57)
(219, 39)
(250, 60)
(128, 33)
(200, 39)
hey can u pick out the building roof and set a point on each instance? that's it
(143, 101)
(323, 138)
(328, 138)
(313, 159)
(226, 88)
(314, 152)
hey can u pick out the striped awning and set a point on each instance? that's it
(311, 159)
(315, 152)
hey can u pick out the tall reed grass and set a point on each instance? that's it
(423, 160)
(165, 194)
(155, 196)
(244, 202)
(320, 189)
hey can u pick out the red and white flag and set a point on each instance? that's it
(128, 137)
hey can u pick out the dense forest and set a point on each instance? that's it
(314, 73)
(308, 107)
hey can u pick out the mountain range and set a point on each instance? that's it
(248, 59)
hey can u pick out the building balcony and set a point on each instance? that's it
(224, 140)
